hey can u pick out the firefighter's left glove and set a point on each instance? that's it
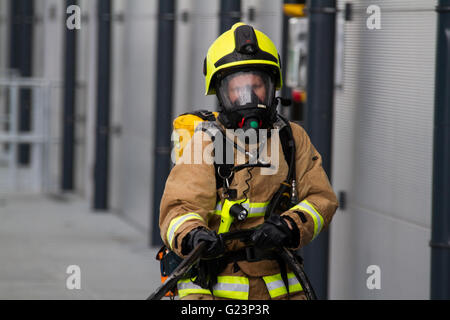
(214, 243)
(275, 233)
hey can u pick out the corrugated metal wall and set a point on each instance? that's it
(383, 152)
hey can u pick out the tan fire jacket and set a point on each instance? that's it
(191, 199)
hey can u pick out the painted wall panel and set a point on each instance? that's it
(382, 152)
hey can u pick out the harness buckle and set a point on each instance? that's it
(251, 254)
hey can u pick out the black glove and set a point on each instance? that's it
(214, 246)
(275, 233)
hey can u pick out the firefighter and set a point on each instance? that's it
(242, 68)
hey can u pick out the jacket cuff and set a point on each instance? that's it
(179, 227)
(309, 221)
(295, 232)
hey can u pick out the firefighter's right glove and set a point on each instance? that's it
(214, 244)
(275, 233)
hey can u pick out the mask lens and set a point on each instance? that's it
(245, 87)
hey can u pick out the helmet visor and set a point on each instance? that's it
(245, 87)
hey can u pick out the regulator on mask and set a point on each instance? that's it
(247, 100)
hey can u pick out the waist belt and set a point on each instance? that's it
(207, 270)
(250, 254)
(253, 254)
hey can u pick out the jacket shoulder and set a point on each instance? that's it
(296, 128)
(301, 138)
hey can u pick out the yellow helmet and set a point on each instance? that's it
(241, 46)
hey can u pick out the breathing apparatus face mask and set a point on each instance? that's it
(247, 100)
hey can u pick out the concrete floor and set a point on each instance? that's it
(40, 236)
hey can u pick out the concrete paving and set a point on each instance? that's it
(41, 236)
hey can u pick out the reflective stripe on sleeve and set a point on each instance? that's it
(315, 215)
(177, 222)
(276, 287)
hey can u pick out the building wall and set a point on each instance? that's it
(48, 64)
(4, 35)
(190, 52)
(133, 82)
(4, 40)
(4, 45)
(118, 105)
(135, 161)
(85, 72)
(46, 59)
(382, 152)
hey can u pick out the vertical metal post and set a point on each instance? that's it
(103, 98)
(230, 13)
(20, 58)
(36, 139)
(440, 230)
(68, 149)
(38, 133)
(320, 86)
(13, 107)
(164, 101)
(46, 136)
(14, 33)
(26, 59)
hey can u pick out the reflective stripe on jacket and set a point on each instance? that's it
(229, 287)
(232, 287)
(276, 287)
(191, 198)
